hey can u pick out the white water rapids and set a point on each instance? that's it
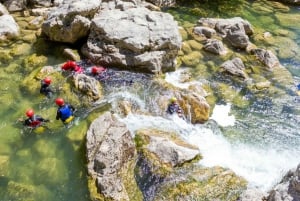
(261, 167)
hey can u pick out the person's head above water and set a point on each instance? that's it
(59, 101)
(173, 100)
(47, 80)
(29, 113)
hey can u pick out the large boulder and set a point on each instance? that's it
(3, 10)
(9, 29)
(88, 85)
(70, 21)
(136, 39)
(215, 46)
(288, 189)
(235, 67)
(266, 57)
(15, 5)
(235, 30)
(110, 148)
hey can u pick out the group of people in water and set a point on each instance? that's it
(65, 111)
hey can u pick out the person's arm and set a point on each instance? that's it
(72, 108)
(58, 115)
(170, 109)
(27, 122)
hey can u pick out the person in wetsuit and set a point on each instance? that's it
(46, 88)
(72, 66)
(33, 120)
(174, 108)
(65, 112)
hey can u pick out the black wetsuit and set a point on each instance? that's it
(34, 121)
(46, 89)
(174, 108)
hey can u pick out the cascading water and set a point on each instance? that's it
(262, 164)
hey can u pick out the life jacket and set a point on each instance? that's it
(97, 70)
(65, 112)
(34, 122)
(174, 108)
(78, 69)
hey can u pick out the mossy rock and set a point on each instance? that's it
(20, 192)
(288, 20)
(210, 98)
(53, 170)
(77, 134)
(24, 155)
(20, 49)
(93, 190)
(12, 68)
(34, 61)
(229, 94)
(186, 48)
(283, 77)
(22, 24)
(29, 38)
(183, 33)
(4, 163)
(205, 184)
(283, 53)
(278, 6)
(43, 148)
(159, 168)
(192, 59)
(129, 180)
(5, 56)
(202, 71)
(261, 8)
(196, 106)
(195, 45)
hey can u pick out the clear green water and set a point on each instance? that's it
(51, 166)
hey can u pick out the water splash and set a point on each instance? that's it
(261, 167)
(221, 115)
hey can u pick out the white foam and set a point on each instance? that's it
(261, 167)
(221, 115)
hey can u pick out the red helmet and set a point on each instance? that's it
(29, 113)
(72, 64)
(94, 70)
(59, 101)
(47, 80)
(68, 65)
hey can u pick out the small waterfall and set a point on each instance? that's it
(262, 168)
(260, 163)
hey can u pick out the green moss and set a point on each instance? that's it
(204, 184)
(20, 49)
(94, 195)
(186, 48)
(192, 59)
(34, 61)
(183, 33)
(128, 178)
(288, 20)
(195, 45)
